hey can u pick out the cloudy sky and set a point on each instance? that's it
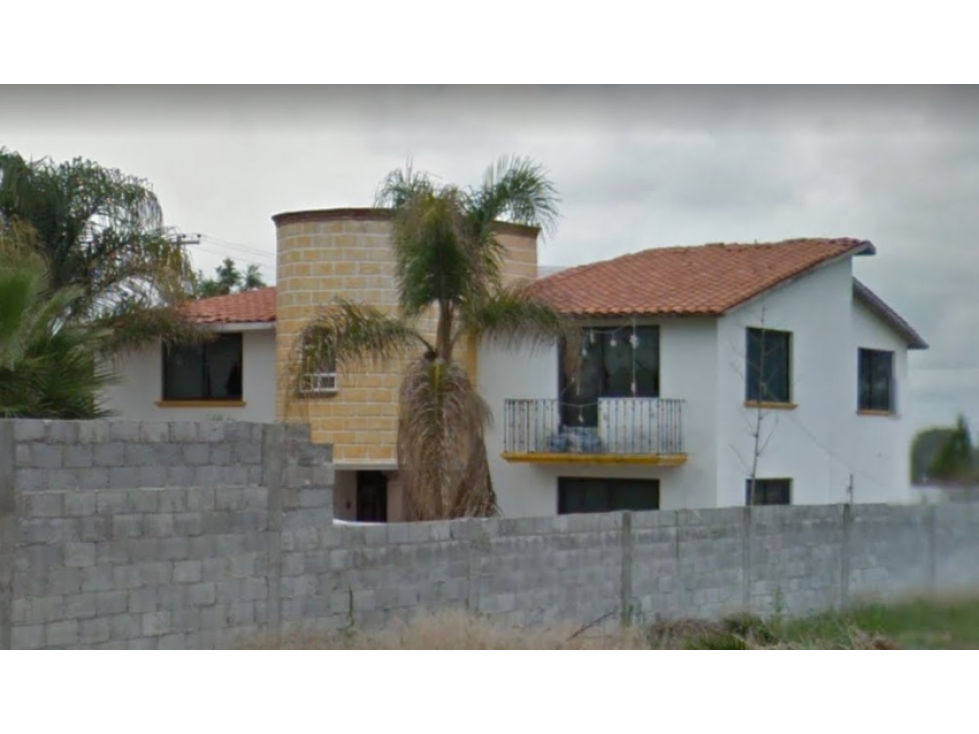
(635, 167)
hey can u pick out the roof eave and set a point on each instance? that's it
(888, 315)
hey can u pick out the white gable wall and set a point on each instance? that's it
(812, 443)
(880, 444)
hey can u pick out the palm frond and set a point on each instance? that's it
(512, 319)
(440, 442)
(516, 190)
(348, 333)
(98, 229)
(48, 362)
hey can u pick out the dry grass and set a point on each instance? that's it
(459, 630)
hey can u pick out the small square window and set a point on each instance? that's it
(769, 492)
(876, 380)
(318, 375)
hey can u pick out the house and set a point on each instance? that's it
(683, 354)
(690, 354)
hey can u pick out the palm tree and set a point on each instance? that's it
(448, 265)
(48, 367)
(101, 232)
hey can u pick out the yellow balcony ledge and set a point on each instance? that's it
(622, 459)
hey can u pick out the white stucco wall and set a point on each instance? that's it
(816, 443)
(142, 386)
(687, 372)
(880, 444)
(345, 495)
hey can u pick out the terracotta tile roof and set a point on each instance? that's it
(702, 280)
(888, 315)
(239, 308)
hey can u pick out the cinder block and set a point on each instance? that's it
(241, 566)
(173, 549)
(152, 477)
(139, 454)
(203, 546)
(220, 454)
(156, 623)
(80, 606)
(197, 454)
(187, 572)
(62, 431)
(29, 637)
(127, 577)
(183, 432)
(158, 526)
(80, 504)
(247, 454)
(140, 550)
(200, 499)
(125, 626)
(157, 572)
(254, 498)
(175, 641)
(212, 431)
(144, 600)
(42, 456)
(123, 477)
(154, 432)
(181, 476)
(109, 454)
(202, 595)
(61, 634)
(90, 432)
(46, 609)
(96, 529)
(173, 500)
(127, 526)
(30, 430)
(68, 480)
(94, 631)
(228, 498)
(79, 555)
(94, 478)
(168, 454)
(215, 569)
(96, 579)
(111, 602)
(340, 560)
(31, 480)
(188, 524)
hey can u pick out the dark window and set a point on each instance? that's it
(768, 366)
(876, 376)
(612, 362)
(210, 371)
(769, 492)
(579, 495)
(319, 369)
(372, 496)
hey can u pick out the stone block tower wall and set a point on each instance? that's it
(347, 253)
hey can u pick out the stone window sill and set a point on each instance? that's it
(766, 405)
(200, 403)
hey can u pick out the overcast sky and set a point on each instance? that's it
(635, 167)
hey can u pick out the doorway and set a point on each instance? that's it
(372, 496)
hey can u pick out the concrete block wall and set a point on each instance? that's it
(149, 535)
(208, 535)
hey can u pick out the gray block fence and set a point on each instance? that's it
(118, 534)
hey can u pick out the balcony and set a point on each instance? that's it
(620, 431)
